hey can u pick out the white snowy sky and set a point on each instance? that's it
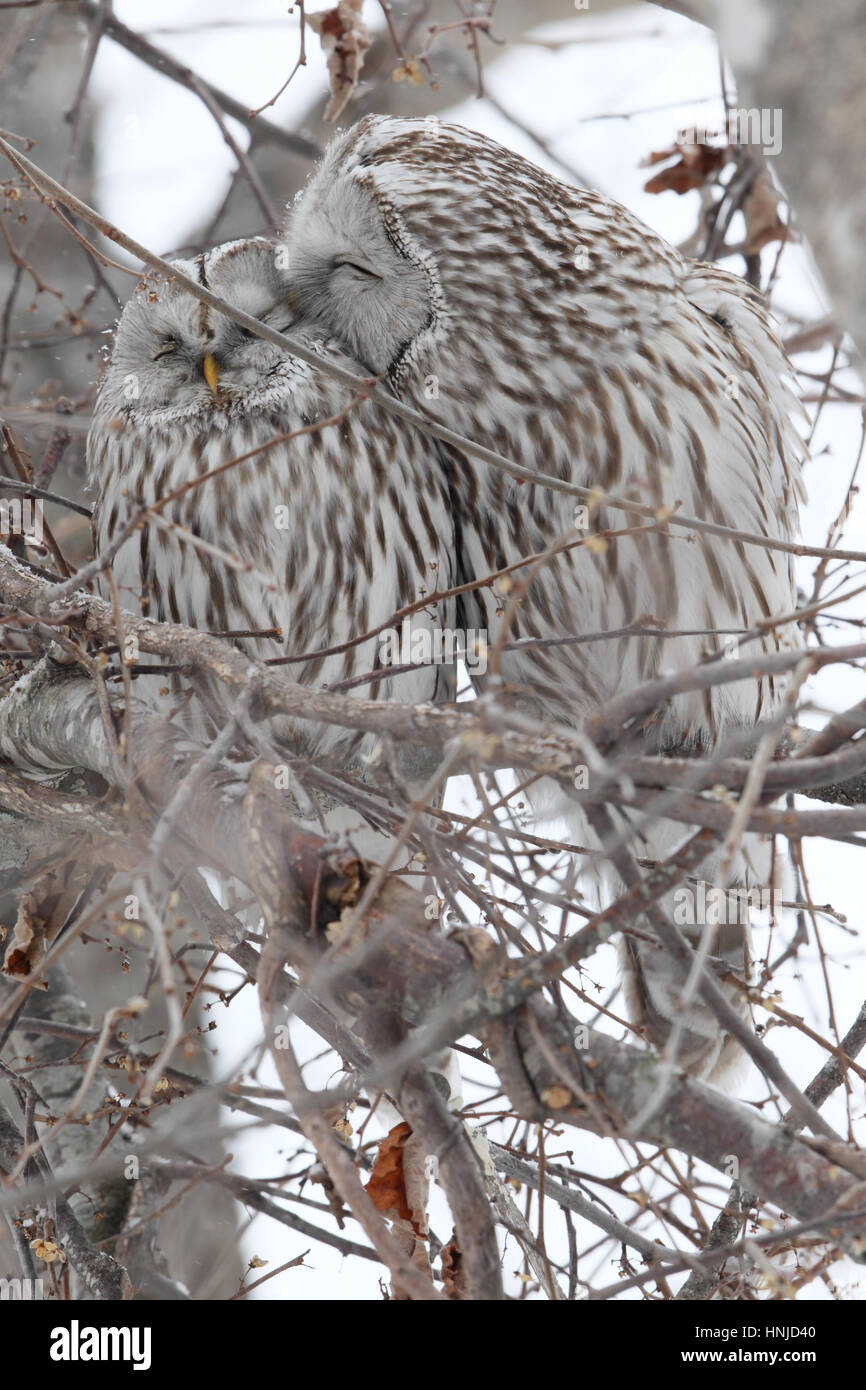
(609, 90)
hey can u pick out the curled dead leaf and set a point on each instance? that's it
(386, 1187)
(27, 944)
(57, 889)
(695, 165)
(345, 39)
(398, 1182)
(453, 1275)
(761, 211)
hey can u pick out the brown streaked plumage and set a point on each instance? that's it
(548, 323)
(323, 536)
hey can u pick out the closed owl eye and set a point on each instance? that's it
(361, 269)
(170, 345)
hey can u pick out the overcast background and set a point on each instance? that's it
(602, 92)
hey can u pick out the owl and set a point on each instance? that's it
(310, 540)
(548, 323)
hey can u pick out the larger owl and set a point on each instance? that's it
(316, 538)
(546, 322)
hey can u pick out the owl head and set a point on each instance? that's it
(418, 239)
(175, 357)
(360, 242)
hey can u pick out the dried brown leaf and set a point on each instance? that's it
(695, 166)
(386, 1187)
(453, 1275)
(761, 211)
(345, 39)
(398, 1185)
(42, 913)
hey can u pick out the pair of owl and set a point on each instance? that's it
(541, 320)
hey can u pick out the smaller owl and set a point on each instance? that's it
(321, 536)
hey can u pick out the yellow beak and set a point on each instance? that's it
(211, 371)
